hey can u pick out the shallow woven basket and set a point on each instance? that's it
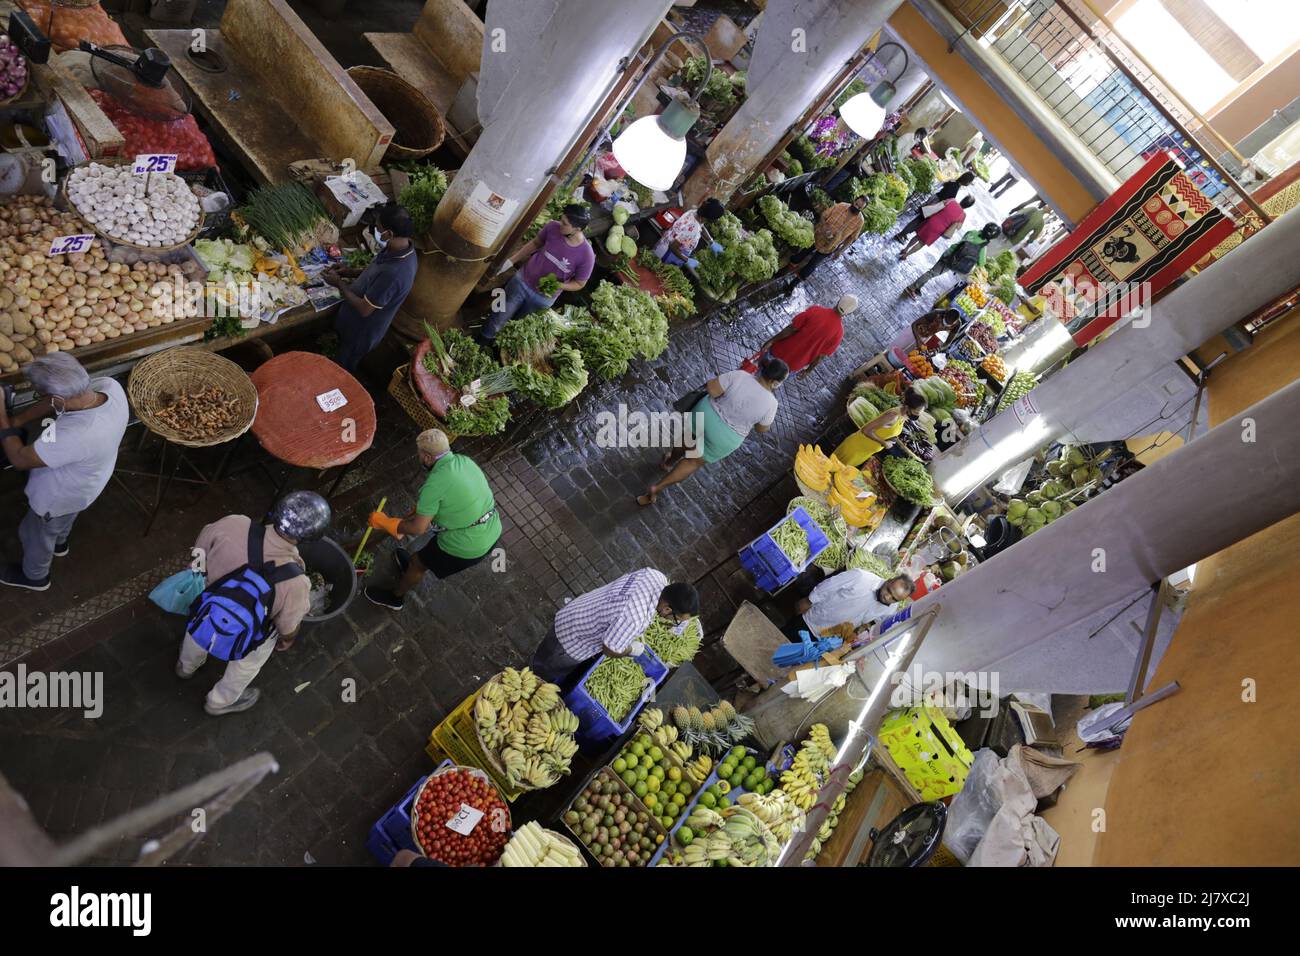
(63, 191)
(418, 124)
(161, 378)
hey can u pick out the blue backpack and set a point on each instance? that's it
(231, 618)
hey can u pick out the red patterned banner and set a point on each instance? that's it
(1140, 239)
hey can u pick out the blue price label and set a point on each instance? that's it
(154, 163)
(64, 245)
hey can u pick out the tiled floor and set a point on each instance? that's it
(570, 523)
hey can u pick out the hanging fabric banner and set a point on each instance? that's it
(1139, 240)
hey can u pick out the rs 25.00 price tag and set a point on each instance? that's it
(154, 163)
(465, 820)
(64, 245)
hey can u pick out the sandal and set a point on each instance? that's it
(646, 500)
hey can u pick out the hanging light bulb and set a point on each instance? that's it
(653, 149)
(865, 113)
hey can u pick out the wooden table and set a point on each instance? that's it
(290, 424)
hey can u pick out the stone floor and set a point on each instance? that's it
(571, 523)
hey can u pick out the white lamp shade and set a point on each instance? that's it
(863, 115)
(649, 155)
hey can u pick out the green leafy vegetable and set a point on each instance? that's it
(285, 214)
(924, 173)
(878, 217)
(910, 479)
(549, 285)
(789, 226)
(487, 416)
(562, 384)
(421, 196)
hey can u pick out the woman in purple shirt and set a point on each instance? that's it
(561, 250)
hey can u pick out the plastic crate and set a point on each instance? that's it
(595, 725)
(927, 749)
(607, 773)
(769, 564)
(455, 739)
(392, 831)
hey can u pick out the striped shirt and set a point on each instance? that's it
(610, 617)
(838, 225)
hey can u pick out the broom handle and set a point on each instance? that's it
(366, 537)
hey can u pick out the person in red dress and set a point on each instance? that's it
(813, 336)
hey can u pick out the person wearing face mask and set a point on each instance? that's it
(456, 503)
(81, 426)
(559, 250)
(734, 404)
(375, 293)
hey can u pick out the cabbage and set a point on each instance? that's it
(213, 252)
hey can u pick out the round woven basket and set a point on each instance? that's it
(63, 191)
(163, 377)
(418, 124)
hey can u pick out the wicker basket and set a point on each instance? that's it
(399, 386)
(161, 378)
(418, 124)
(63, 191)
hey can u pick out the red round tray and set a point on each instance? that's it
(291, 425)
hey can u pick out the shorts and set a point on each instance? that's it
(444, 565)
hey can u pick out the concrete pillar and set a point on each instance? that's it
(1082, 397)
(558, 69)
(800, 48)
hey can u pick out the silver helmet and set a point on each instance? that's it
(301, 515)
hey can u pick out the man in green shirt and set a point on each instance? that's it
(1024, 224)
(456, 502)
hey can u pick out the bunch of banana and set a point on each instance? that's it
(801, 787)
(650, 720)
(848, 485)
(702, 818)
(664, 736)
(562, 721)
(697, 854)
(812, 467)
(821, 738)
(512, 684)
(521, 719)
(682, 750)
(717, 845)
(699, 769)
(532, 845)
(777, 812)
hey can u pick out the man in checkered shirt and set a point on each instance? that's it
(609, 620)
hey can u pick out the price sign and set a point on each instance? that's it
(154, 163)
(331, 400)
(63, 245)
(465, 820)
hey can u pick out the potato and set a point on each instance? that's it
(6, 344)
(22, 354)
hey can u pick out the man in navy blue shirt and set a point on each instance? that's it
(375, 294)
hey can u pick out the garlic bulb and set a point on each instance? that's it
(113, 199)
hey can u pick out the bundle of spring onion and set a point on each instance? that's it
(285, 214)
(616, 685)
(792, 539)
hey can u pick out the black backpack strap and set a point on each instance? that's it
(283, 572)
(256, 544)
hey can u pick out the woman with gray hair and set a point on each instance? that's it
(81, 426)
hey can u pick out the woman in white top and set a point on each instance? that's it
(737, 403)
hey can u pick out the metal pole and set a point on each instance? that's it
(856, 747)
(1148, 642)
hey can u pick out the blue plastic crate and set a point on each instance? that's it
(769, 564)
(392, 832)
(595, 726)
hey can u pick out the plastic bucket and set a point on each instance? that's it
(325, 557)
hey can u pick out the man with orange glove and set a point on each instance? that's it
(456, 504)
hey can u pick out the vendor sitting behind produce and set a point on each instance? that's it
(609, 620)
(680, 240)
(813, 336)
(854, 598)
(81, 425)
(879, 433)
(375, 293)
(559, 250)
(456, 502)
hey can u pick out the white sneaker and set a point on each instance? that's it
(245, 700)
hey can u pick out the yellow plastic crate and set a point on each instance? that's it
(456, 739)
(927, 750)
